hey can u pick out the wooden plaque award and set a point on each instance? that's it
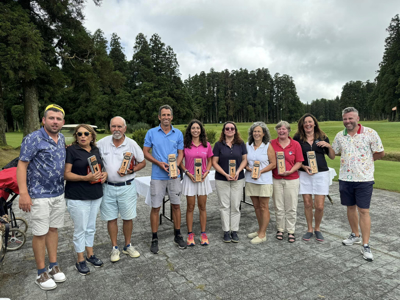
(312, 162)
(232, 167)
(93, 167)
(256, 170)
(173, 171)
(125, 163)
(198, 170)
(280, 157)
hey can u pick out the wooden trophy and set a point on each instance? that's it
(312, 162)
(125, 163)
(198, 170)
(280, 157)
(173, 171)
(232, 167)
(93, 167)
(256, 170)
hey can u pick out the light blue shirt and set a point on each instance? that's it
(162, 145)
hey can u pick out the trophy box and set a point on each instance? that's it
(312, 162)
(198, 162)
(93, 167)
(256, 170)
(232, 167)
(173, 171)
(280, 157)
(126, 162)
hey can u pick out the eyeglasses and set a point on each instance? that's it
(86, 133)
(230, 128)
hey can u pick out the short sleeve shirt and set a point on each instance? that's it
(45, 174)
(162, 145)
(293, 155)
(319, 153)
(113, 156)
(197, 152)
(82, 190)
(357, 161)
(260, 154)
(226, 153)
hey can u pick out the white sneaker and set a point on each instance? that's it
(131, 251)
(352, 239)
(57, 274)
(367, 254)
(252, 235)
(45, 282)
(115, 255)
(257, 240)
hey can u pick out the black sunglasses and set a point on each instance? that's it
(86, 133)
(230, 128)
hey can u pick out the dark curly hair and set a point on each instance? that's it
(187, 140)
(318, 133)
(236, 139)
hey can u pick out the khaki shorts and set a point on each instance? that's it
(47, 213)
(159, 188)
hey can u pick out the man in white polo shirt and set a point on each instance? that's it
(120, 189)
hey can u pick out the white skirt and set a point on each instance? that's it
(190, 188)
(317, 184)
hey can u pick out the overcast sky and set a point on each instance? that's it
(322, 44)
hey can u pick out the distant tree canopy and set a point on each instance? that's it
(47, 56)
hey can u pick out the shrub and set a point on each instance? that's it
(130, 128)
(138, 136)
(211, 136)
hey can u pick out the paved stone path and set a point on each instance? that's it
(272, 270)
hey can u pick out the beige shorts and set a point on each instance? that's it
(47, 213)
(159, 188)
(259, 190)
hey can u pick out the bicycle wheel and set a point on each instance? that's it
(22, 224)
(16, 239)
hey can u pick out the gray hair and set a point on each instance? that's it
(118, 117)
(166, 106)
(266, 137)
(284, 124)
(349, 109)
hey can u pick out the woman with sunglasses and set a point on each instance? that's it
(229, 153)
(83, 193)
(196, 146)
(312, 138)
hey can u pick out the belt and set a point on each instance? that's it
(120, 183)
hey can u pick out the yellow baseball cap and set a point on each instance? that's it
(58, 107)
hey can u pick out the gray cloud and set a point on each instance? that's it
(321, 44)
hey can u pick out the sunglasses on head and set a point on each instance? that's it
(230, 128)
(86, 133)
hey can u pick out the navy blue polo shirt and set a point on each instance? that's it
(319, 153)
(82, 190)
(226, 153)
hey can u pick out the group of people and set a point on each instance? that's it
(278, 168)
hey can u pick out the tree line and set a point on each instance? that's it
(48, 56)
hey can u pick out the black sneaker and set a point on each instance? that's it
(154, 246)
(82, 268)
(235, 237)
(178, 240)
(95, 261)
(227, 237)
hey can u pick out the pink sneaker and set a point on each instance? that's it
(190, 240)
(204, 239)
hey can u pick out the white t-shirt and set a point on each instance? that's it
(113, 156)
(260, 154)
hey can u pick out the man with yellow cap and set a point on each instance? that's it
(40, 176)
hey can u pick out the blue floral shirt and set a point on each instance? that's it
(45, 176)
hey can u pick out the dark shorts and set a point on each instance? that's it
(356, 193)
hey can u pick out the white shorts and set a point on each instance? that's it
(317, 184)
(47, 213)
(190, 188)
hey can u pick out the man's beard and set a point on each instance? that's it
(117, 135)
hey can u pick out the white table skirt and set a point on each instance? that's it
(143, 184)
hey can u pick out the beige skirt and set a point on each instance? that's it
(259, 190)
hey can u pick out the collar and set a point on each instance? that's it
(123, 143)
(359, 131)
(46, 135)
(172, 128)
(192, 144)
(77, 147)
(261, 146)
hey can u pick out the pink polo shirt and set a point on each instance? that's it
(197, 152)
(293, 154)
